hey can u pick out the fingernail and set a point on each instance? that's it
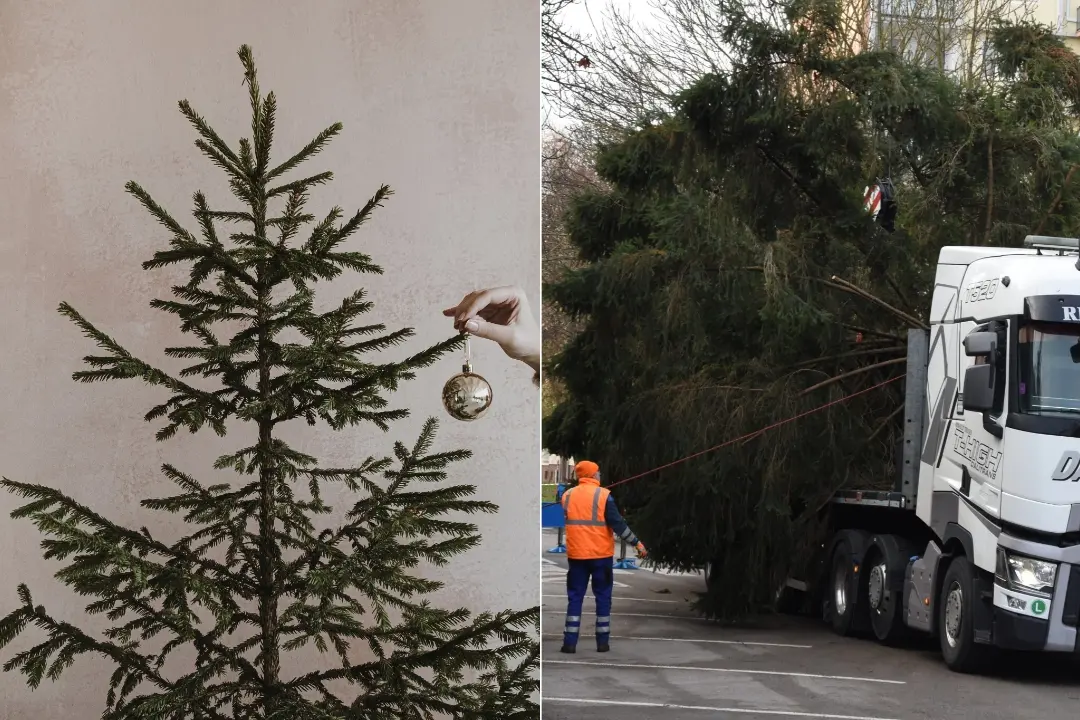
(472, 326)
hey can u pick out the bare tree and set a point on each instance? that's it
(567, 172)
(639, 60)
(561, 49)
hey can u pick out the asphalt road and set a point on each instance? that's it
(666, 664)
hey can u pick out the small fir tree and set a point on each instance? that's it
(256, 576)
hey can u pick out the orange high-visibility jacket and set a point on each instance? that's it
(587, 535)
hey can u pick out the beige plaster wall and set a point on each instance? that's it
(439, 99)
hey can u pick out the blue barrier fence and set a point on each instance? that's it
(552, 516)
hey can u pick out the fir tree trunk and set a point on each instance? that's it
(268, 591)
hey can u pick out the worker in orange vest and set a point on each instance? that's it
(592, 521)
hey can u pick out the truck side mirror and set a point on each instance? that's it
(982, 344)
(979, 388)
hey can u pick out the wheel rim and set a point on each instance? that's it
(876, 587)
(954, 614)
(840, 587)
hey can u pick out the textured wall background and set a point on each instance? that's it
(440, 100)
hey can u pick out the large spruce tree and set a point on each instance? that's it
(200, 627)
(733, 279)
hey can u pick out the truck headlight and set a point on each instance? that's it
(1024, 573)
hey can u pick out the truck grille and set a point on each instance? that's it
(1070, 612)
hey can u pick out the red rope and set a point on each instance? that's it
(755, 433)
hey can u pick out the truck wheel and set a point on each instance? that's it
(841, 591)
(885, 602)
(955, 619)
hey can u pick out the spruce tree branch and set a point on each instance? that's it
(236, 173)
(79, 640)
(481, 630)
(304, 184)
(851, 354)
(885, 423)
(123, 365)
(838, 283)
(875, 333)
(899, 293)
(827, 70)
(201, 640)
(788, 174)
(190, 248)
(851, 373)
(1057, 199)
(207, 132)
(45, 498)
(373, 378)
(855, 289)
(311, 149)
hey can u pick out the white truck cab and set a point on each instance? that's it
(991, 467)
(1000, 463)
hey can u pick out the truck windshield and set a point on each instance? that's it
(1049, 376)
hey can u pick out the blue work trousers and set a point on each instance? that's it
(577, 583)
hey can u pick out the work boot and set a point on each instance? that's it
(603, 647)
(568, 649)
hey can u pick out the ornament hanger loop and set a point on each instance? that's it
(467, 366)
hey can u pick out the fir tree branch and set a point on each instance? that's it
(851, 373)
(1057, 199)
(310, 150)
(207, 132)
(875, 333)
(69, 642)
(853, 288)
(473, 637)
(354, 223)
(885, 423)
(850, 354)
(300, 185)
(185, 246)
(44, 499)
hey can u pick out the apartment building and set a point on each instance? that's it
(951, 34)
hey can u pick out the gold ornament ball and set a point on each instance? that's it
(467, 396)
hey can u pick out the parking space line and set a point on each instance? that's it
(706, 708)
(693, 640)
(621, 597)
(739, 671)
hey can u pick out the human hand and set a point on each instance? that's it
(642, 553)
(500, 314)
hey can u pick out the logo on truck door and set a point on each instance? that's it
(979, 455)
(1068, 467)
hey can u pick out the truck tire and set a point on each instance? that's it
(955, 619)
(841, 596)
(885, 565)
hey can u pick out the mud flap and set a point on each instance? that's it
(983, 608)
